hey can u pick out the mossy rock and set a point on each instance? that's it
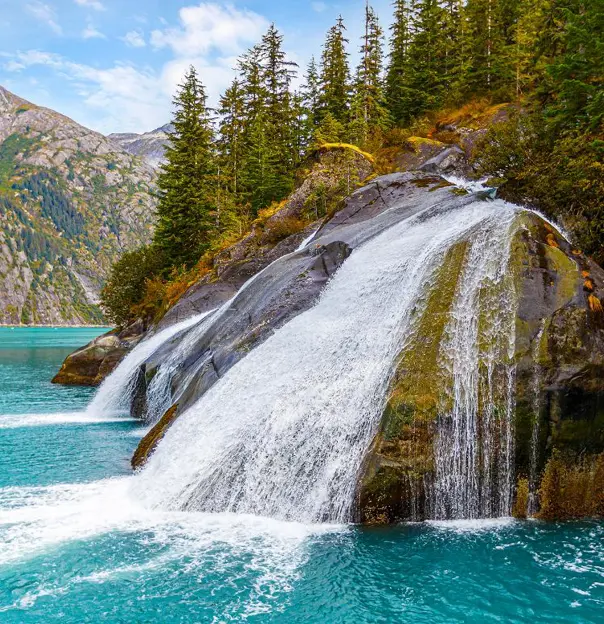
(149, 443)
(559, 356)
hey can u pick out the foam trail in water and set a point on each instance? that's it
(114, 396)
(284, 432)
(16, 421)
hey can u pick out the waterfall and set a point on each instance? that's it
(284, 432)
(474, 448)
(115, 393)
(533, 498)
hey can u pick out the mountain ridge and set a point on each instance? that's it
(150, 146)
(71, 201)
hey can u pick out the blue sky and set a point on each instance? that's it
(113, 65)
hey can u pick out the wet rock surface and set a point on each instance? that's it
(91, 364)
(559, 388)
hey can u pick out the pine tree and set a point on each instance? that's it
(397, 93)
(186, 182)
(260, 169)
(488, 48)
(335, 75)
(278, 73)
(577, 75)
(427, 58)
(231, 135)
(368, 109)
(311, 93)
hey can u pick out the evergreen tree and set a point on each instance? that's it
(577, 75)
(277, 76)
(186, 182)
(397, 93)
(261, 167)
(488, 48)
(368, 110)
(426, 78)
(311, 94)
(231, 135)
(335, 75)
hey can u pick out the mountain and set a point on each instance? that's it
(71, 201)
(150, 145)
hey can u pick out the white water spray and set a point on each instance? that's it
(474, 450)
(115, 394)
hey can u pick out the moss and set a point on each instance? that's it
(349, 146)
(149, 443)
(566, 271)
(522, 498)
(416, 143)
(402, 454)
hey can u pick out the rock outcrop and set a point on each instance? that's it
(558, 354)
(89, 365)
(71, 201)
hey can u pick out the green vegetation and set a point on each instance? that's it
(55, 205)
(186, 182)
(14, 145)
(542, 56)
(126, 285)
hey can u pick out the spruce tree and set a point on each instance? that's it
(368, 109)
(335, 75)
(427, 58)
(187, 178)
(397, 92)
(277, 75)
(577, 74)
(311, 93)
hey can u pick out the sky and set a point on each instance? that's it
(113, 65)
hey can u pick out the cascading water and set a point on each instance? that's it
(474, 447)
(115, 394)
(533, 497)
(284, 432)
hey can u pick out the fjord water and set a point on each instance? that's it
(83, 541)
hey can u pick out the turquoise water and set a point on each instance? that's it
(76, 546)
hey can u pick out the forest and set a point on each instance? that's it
(226, 165)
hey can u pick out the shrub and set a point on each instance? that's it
(562, 175)
(126, 286)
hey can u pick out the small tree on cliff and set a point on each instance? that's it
(186, 182)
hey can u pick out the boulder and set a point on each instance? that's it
(90, 365)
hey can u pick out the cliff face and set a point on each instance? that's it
(557, 414)
(71, 201)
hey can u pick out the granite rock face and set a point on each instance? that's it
(559, 385)
(150, 146)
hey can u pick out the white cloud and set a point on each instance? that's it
(134, 39)
(90, 32)
(45, 14)
(319, 7)
(208, 27)
(123, 97)
(91, 4)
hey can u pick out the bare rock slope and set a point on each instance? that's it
(71, 201)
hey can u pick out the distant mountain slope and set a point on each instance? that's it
(71, 201)
(150, 145)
